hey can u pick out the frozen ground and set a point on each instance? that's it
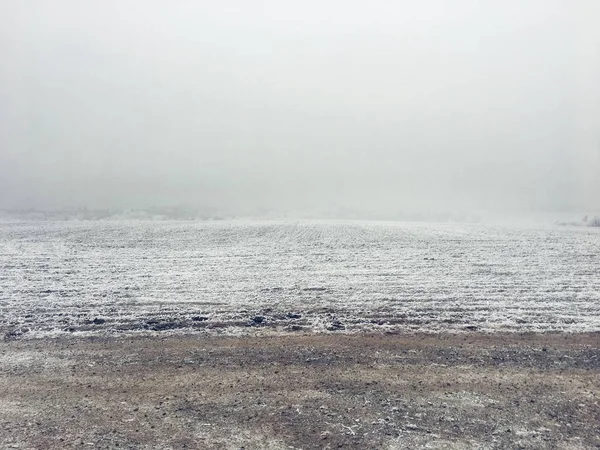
(388, 391)
(231, 277)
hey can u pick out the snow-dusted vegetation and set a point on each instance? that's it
(587, 221)
(236, 276)
(592, 221)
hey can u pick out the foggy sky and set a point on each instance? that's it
(432, 105)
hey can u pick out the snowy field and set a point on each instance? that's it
(231, 277)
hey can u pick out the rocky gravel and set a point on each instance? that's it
(302, 391)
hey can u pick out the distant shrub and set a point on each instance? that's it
(587, 221)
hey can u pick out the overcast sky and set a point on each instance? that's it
(472, 105)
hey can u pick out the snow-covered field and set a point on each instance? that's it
(58, 277)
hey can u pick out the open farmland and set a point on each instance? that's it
(239, 277)
(306, 335)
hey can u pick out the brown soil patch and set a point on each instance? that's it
(312, 391)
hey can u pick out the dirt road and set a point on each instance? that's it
(302, 391)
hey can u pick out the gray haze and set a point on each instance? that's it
(465, 105)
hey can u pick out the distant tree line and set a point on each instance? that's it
(592, 221)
